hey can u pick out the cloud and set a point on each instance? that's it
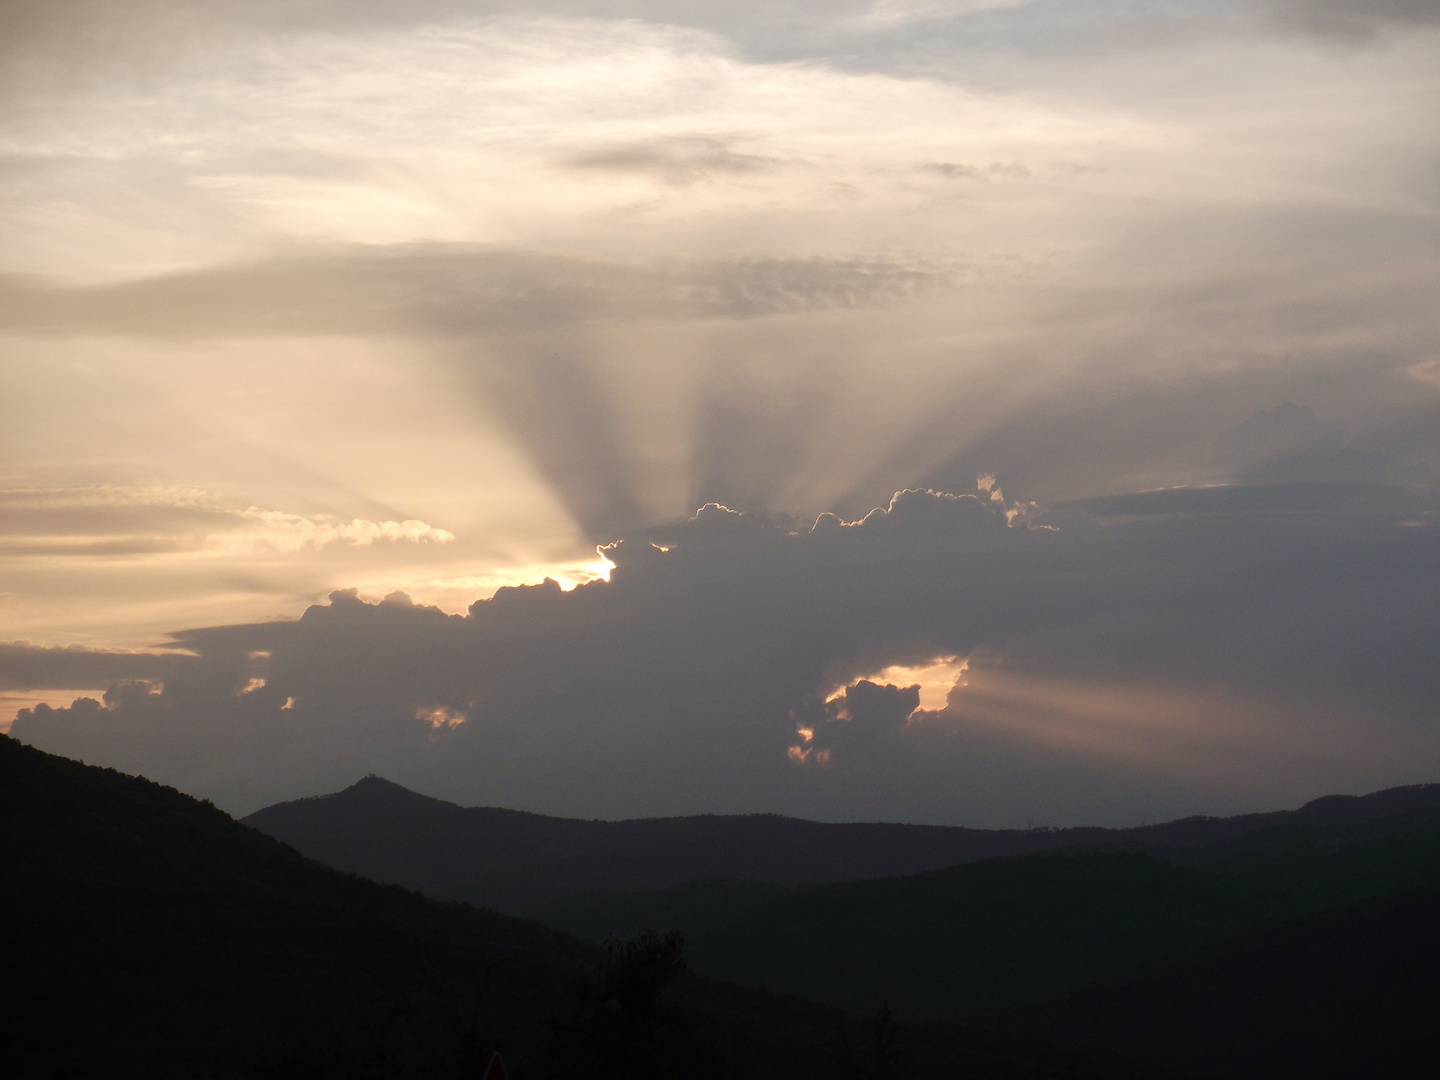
(1291, 443)
(954, 170)
(676, 159)
(73, 35)
(890, 12)
(1276, 435)
(1426, 371)
(520, 331)
(290, 532)
(594, 264)
(70, 33)
(1353, 20)
(449, 289)
(851, 720)
(24, 666)
(137, 520)
(689, 680)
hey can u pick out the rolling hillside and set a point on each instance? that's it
(1282, 945)
(1302, 949)
(150, 935)
(519, 862)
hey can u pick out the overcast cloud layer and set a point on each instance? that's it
(435, 298)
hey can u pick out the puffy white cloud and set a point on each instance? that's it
(290, 532)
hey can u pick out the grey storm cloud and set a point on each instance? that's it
(681, 684)
(24, 666)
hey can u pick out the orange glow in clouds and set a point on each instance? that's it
(936, 679)
(440, 717)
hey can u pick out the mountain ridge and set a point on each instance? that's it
(519, 861)
(153, 935)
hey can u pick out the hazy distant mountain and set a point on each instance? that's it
(1297, 944)
(519, 862)
(1305, 947)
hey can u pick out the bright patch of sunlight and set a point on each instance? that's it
(440, 717)
(936, 678)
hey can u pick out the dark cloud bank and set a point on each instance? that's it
(1192, 649)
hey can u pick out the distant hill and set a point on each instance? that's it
(147, 934)
(966, 942)
(1305, 948)
(1287, 945)
(520, 862)
(515, 861)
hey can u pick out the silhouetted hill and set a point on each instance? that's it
(962, 942)
(148, 934)
(519, 862)
(516, 861)
(982, 933)
(1242, 956)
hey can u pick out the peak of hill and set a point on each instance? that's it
(519, 862)
(1353, 809)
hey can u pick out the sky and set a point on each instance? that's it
(965, 411)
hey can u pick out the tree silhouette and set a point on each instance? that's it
(624, 1024)
(881, 1059)
(640, 970)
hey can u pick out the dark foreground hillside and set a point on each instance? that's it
(1347, 992)
(148, 934)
